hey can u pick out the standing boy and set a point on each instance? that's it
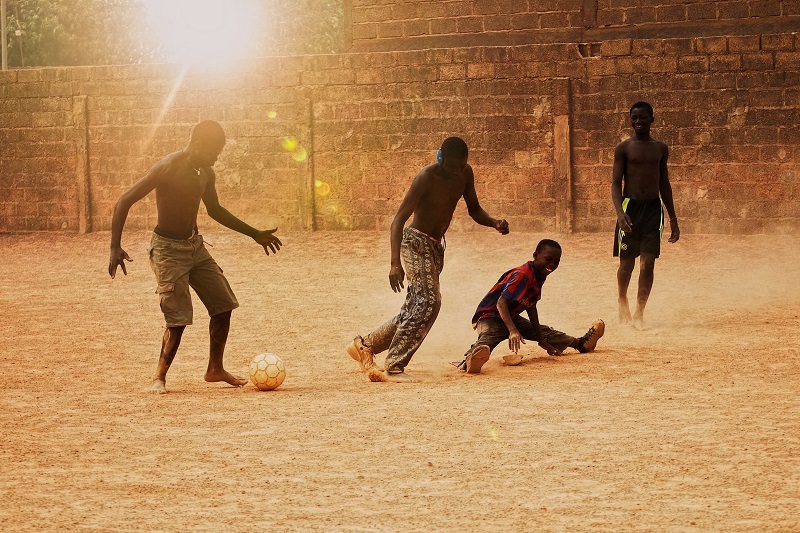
(641, 163)
(177, 254)
(498, 315)
(432, 199)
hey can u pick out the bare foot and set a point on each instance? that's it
(638, 321)
(159, 386)
(624, 312)
(225, 376)
(377, 376)
(512, 360)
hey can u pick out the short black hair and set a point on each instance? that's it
(545, 243)
(642, 105)
(455, 147)
(208, 131)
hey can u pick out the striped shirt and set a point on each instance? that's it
(519, 286)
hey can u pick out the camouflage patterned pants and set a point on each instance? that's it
(402, 335)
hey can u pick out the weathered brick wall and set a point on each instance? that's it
(400, 24)
(374, 133)
(102, 128)
(542, 122)
(377, 25)
(611, 13)
(369, 121)
(728, 107)
(36, 151)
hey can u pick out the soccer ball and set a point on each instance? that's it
(267, 371)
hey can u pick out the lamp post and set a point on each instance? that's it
(3, 34)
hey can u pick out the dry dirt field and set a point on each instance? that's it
(692, 425)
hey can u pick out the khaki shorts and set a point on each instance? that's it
(183, 263)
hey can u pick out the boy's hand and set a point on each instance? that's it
(118, 258)
(501, 225)
(546, 346)
(515, 341)
(674, 229)
(269, 241)
(625, 222)
(396, 276)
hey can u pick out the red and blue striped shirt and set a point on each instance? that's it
(519, 286)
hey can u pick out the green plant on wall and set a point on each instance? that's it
(77, 32)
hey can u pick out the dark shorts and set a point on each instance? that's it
(183, 263)
(647, 217)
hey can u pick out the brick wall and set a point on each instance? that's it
(379, 25)
(637, 12)
(399, 24)
(542, 122)
(728, 107)
(37, 151)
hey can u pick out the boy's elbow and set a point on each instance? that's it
(214, 212)
(123, 205)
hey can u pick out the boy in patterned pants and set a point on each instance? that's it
(432, 199)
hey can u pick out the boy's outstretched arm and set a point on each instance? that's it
(265, 238)
(665, 190)
(476, 212)
(138, 190)
(623, 219)
(515, 338)
(533, 316)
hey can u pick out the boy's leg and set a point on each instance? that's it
(416, 320)
(647, 264)
(423, 261)
(213, 289)
(491, 332)
(169, 347)
(218, 329)
(561, 341)
(558, 340)
(626, 265)
(171, 262)
(364, 349)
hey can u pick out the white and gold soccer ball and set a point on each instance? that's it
(267, 371)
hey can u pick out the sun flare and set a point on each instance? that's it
(205, 32)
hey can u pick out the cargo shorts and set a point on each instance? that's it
(182, 263)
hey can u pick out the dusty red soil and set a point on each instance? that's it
(692, 425)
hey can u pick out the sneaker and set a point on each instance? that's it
(362, 354)
(588, 342)
(476, 358)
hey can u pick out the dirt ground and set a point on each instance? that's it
(691, 425)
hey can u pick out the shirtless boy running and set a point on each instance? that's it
(639, 186)
(177, 254)
(432, 199)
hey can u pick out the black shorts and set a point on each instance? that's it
(647, 217)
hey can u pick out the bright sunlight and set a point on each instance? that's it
(205, 32)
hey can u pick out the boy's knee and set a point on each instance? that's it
(626, 267)
(647, 263)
